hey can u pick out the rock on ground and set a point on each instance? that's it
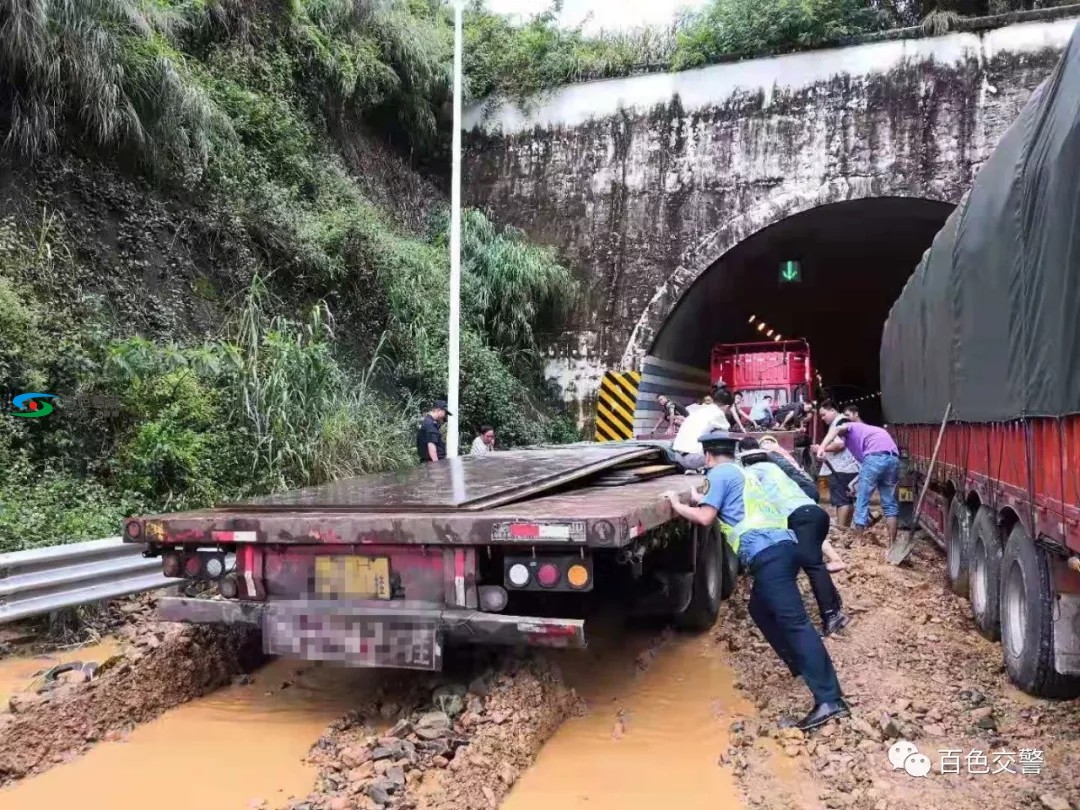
(915, 668)
(423, 758)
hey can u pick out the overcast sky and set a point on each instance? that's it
(606, 14)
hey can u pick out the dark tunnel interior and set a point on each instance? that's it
(855, 258)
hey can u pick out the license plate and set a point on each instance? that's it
(403, 642)
(352, 577)
(906, 495)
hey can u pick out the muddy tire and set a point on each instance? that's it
(731, 571)
(985, 574)
(1027, 619)
(958, 548)
(701, 613)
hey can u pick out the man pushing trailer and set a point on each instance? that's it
(757, 531)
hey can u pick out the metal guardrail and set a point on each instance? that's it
(42, 580)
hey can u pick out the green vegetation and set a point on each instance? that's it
(321, 367)
(519, 61)
(324, 328)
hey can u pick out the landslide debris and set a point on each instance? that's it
(162, 666)
(915, 668)
(459, 746)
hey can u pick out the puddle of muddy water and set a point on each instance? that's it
(225, 751)
(648, 738)
(17, 674)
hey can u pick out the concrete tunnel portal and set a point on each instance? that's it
(854, 257)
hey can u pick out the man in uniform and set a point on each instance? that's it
(757, 532)
(808, 521)
(430, 445)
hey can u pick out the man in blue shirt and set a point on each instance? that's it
(808, 521)
(756, 529)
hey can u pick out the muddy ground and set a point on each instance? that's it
(160, 666)
(911, 662)
(915, 668)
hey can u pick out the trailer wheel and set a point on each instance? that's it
(701, 613)
(985, 579)
(731, 570)
(1027, 619)
(958, 548)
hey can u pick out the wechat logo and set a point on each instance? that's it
(904, 756)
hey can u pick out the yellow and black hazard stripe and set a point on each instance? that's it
(616, 404)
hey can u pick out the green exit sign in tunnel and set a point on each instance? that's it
(790, 271)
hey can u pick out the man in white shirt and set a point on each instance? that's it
(700, 420)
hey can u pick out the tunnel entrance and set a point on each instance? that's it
(853, 259)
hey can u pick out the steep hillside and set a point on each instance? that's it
(211, 251)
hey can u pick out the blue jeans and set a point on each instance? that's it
(879, 471)
(776, 606)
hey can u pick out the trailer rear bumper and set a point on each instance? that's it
(408, 635)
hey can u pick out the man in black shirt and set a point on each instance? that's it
(429, 441)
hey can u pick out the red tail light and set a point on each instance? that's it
(171, 565)
(192, 566)
(548, 575)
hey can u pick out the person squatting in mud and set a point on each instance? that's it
(757, 531)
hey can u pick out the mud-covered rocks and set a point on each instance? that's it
(428, 760)
(914, 669)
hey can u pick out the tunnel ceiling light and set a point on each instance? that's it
(751, 319)
(769, 333)
(761, 327)
(777, 338)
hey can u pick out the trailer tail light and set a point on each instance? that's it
(548, 575)
(214, 567)
(229, 587)
(133, 529)
(493, 599)
(192, 566)
(518, 575)
(578, 576)
(171, 566)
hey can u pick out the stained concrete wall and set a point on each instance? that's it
(644, 183)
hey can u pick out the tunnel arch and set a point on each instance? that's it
(856, 255)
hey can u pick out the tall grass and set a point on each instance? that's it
(108, 71)
(311, 421)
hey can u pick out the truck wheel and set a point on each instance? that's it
(1027, 619)
(704, 605)
(958, 548)
(731, 570)
(985, 579)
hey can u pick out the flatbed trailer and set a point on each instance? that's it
(502, 549)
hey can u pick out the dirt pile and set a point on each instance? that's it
(459, 747)
(164, 665)
(915, 669)
(83, 625)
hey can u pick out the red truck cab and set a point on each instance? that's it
(780, 369)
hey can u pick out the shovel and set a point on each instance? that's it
(904, 544)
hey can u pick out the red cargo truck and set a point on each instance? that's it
(780, 369)
(986, 329)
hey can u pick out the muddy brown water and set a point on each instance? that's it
(648, 738)
(18, 674)
(227, 751)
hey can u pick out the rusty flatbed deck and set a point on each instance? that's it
(465, 482)
(593, 516)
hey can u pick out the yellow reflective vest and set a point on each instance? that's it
(761, 514)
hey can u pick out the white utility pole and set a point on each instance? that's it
(452, 396)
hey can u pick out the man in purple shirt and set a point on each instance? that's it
(879, 465)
